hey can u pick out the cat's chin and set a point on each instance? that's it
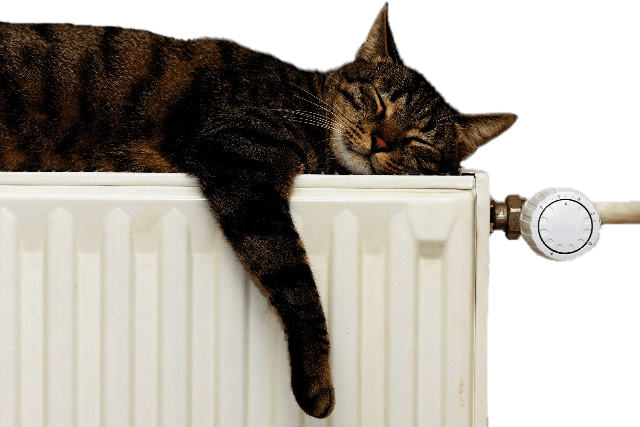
(360, 165)
(355, 162)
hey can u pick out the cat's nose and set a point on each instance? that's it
(378, 144)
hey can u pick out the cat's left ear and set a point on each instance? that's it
(380, 45)
(476, 130)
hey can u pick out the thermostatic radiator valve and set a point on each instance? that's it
(559, 223)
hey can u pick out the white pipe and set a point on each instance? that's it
(618, 212)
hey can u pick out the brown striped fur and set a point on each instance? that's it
(79, 98)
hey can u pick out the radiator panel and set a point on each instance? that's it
(122, 304)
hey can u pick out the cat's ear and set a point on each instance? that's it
(476, 130)
(380, 45)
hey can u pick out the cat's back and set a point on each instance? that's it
(107, 98)
(67, 51)
(72, 95)
(119, 57)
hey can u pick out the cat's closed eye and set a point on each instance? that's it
(380, 107)
(350, 97)
(416, 141)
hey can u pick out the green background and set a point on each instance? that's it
(563, 337)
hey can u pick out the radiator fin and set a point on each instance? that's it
(9, 320)
(117, 304)
(345, 330)
(59, 312)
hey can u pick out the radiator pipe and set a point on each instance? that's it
(618, 212)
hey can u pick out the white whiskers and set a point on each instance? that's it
(325, 106)
(311, 118)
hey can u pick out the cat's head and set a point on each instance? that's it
(387, 119)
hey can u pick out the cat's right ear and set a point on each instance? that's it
(380, 45)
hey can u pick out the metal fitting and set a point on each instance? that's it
(506, 216)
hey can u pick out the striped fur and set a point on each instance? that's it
(79, 98)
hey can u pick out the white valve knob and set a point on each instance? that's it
(560, 223)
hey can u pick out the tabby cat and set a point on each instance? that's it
(245, 124)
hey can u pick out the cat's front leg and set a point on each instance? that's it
(253, 212)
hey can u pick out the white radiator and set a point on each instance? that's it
(120, 304)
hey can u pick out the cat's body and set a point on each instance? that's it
(244, 124)
(111, 99)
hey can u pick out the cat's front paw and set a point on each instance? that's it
(311, 370)
(314, 394)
